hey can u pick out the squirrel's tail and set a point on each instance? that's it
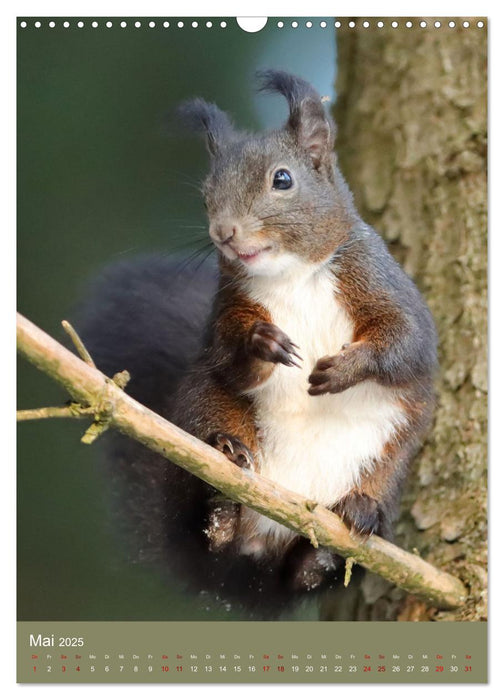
(148, 315)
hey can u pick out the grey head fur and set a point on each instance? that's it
(246, 213)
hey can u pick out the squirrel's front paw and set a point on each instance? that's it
(233, 449)
(333, 374)
(267, 342)
(361, 513)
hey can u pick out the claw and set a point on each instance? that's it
(291, 363)
(293, 352)
(243, 461)
(226, 443)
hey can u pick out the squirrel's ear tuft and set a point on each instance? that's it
(313, 129)
(205, 117)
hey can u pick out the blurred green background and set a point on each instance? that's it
(102, 175)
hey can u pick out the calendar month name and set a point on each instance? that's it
(37, 640)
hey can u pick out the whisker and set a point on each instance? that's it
(183, 243)
(192, 185)
(186, 264)
(192, 254)
(126, 251)
(205, 257)
(184, 175)
(188, 222)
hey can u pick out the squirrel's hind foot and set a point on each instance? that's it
(224, 514)
(308, 569)
(222, 523)
(361, 513)
(233, 449)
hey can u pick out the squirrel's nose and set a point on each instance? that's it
(224, 231)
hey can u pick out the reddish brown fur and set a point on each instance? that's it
(238, 367)
(376, 318)
(382, 483)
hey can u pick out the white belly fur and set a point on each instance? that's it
(317, 446)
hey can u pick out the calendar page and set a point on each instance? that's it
(255, 450)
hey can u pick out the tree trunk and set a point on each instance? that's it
(411, 115)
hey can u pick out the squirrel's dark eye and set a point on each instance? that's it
(282, 180)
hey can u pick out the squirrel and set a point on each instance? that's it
(308, 356)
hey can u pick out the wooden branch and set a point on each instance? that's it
(79, 345)
(90, 387)
(74, 410)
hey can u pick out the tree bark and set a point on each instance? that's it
(411, 115)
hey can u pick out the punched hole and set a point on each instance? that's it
(251, 24)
